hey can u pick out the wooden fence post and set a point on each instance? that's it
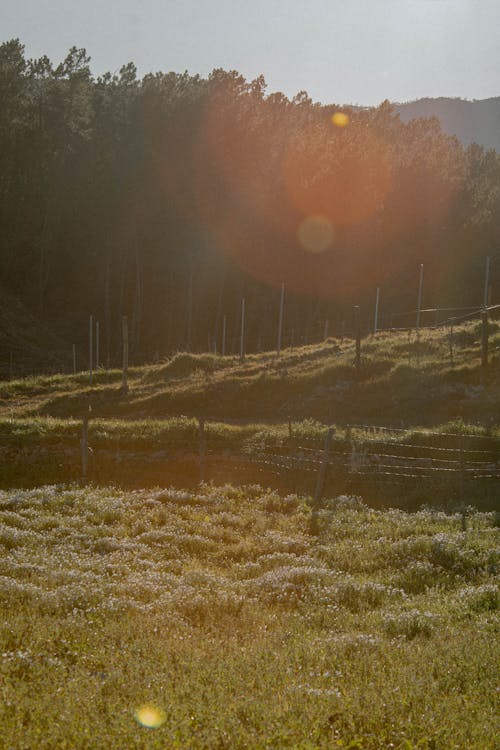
(357, 333)
(486, 281)
(224, 336)
(375, 322)
(97, 343)
(462, 483)
(125, 354)
(353, 458)
(280, 322)
(419, 300)
(242, 332)
(462, 468)
(202, 446)
(91, 327)
(74, 359)
(464, 519)
(419, 310)
(84, 447)
(320, 482)
(484, 339)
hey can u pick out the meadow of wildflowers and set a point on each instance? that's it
(213, 619)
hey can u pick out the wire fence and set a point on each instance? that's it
(384, 459)
(18, 363)
(460, 315)
(402, 468)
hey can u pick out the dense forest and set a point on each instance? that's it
(170, 198)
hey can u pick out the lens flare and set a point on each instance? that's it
(340, 119)
(288, 212)
(151, 717)
(347, 183)
(316, 234)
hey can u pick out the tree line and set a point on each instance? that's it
(171, 197)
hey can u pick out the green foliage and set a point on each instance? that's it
(410, 624)
(86, 160)
(185, 364)
(483, 598)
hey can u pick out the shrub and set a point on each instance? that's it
(184, 364)
(274, 503)
(446, 552)
(346, 502)
(483, 598)
(285, 585)
(418, 576)
(409, 624)
(357, 596)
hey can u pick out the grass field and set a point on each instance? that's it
(217, 618)
(149, 436)
(401, 381)
(211, 617)
(143, 453)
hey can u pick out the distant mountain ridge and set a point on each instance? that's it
(476, 121)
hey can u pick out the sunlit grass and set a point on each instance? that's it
(266, 386)
(402, 383)
(207, 619)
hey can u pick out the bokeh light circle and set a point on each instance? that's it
(345, 179)
(316, 234)
(150, 716)
(340, 119)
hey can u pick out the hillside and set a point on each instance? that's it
(156, 608)
(267, 405)
(401, 383)
(476, 121)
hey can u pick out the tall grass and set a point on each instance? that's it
(214, 616)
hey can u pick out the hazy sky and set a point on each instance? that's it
(342, 51)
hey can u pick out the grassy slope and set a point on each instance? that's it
(315, 382)
(40, 417)
(219, 608)
(217, 605)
